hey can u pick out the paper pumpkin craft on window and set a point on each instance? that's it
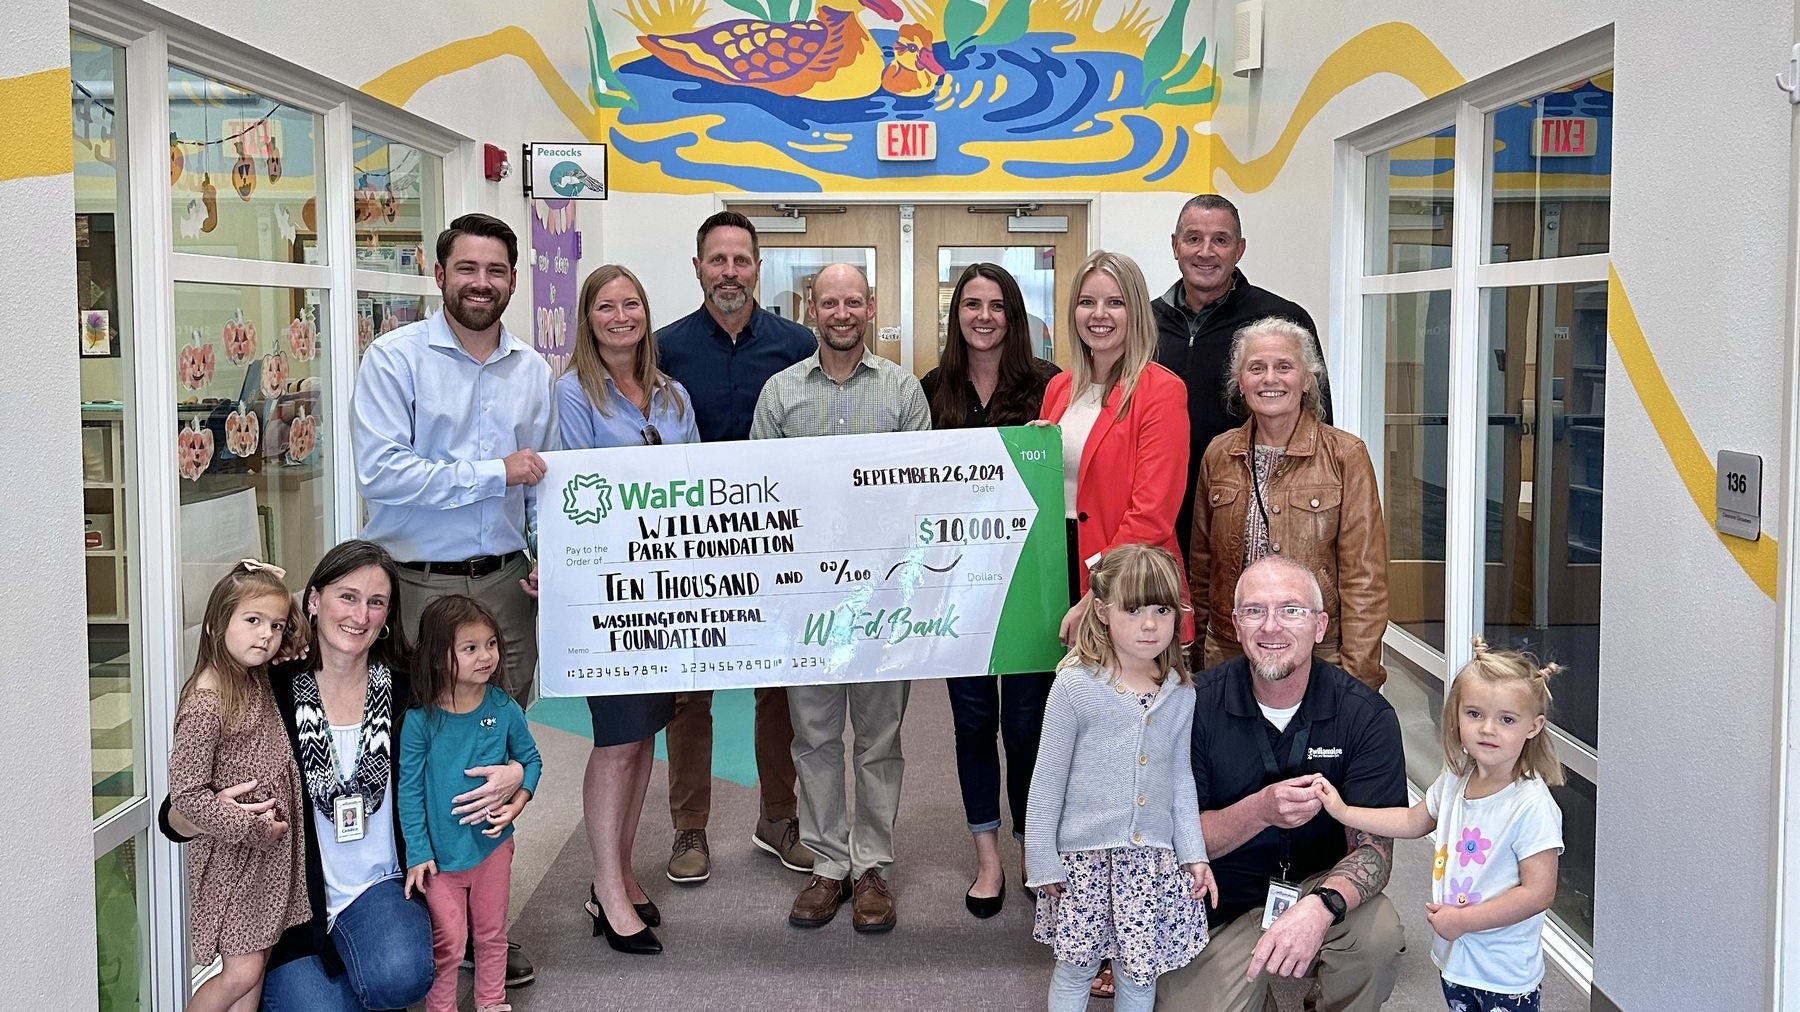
(243, 173)
(194, 450)
(274, 374)
(243, 432)
(274, 161)
(240, 339)
(194, 364)
(303, 436)
(303, 338)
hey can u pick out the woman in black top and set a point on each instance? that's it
(987, 375)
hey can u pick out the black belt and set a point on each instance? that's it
(480, 565)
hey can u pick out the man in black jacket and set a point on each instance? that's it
(1196, 319)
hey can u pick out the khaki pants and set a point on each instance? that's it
(500, 593)
(1356, 966)
(875, 710)
(690, 758)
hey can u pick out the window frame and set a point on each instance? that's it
(1362, 411)
(152, 43)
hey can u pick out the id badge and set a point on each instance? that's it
(347, 815)
(1281, 896)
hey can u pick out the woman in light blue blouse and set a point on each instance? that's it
(614, 395)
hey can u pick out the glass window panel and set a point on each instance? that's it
(788, 272)
(398, 194)
(1410, 205)
(251, 390)
(1546, 397)
(1574, 904)
(103, 275)
(1550, 168)
(1413, 332)
(244, 170)
(1033, 267)
(379, 312)
(120, 917)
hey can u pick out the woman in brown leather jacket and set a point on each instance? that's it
(1286, 483)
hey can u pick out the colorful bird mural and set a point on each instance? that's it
(828, 57)
(915, 70)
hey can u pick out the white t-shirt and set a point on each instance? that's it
(1280, 718)
(1077, 421)
(1480, 845)
(351, 868)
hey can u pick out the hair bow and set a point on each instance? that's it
(258, 566)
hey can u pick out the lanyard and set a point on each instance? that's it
(1296, 759)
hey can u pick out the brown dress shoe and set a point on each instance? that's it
(873, 908)
(818, 903)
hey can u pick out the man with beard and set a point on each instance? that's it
(723, 353)
(845, 389)
(1267, 725)
(448, 418)
(1197, 318)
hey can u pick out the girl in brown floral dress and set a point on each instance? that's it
(246, 874)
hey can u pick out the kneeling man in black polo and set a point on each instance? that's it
(1266, 726)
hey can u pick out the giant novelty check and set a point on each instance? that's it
(800, 561)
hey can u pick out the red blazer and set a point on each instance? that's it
(1132, 468)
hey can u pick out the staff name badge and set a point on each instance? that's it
(348, 816)
(1282, 895)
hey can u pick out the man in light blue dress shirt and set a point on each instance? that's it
(449, 415)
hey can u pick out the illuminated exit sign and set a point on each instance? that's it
(909, 140)
(1565, 137)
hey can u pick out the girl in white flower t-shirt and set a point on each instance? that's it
(1499, 832)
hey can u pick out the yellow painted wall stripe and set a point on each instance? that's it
(400, 83)
(1690, 459)
(35, 131)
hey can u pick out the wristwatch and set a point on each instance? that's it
(1334, 902)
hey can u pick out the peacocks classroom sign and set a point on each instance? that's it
(801, 561)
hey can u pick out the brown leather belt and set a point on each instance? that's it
(479, 566)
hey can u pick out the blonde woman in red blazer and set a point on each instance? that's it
(1134, 456)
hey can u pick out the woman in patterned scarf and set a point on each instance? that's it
(367, 946)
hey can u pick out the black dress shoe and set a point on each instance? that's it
(985, 907)
(641, 943)
(648, 913)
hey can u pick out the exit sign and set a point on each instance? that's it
(911, 140)
(1565, 137)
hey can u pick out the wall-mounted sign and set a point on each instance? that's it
(569, 171)
(1565, 136)
(1739, 501)
(906, 140)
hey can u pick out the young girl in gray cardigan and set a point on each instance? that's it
(1112, 825)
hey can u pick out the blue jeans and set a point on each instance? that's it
(981, 708)
(1469, 999)
(384, 940)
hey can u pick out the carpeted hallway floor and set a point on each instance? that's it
(728, 945)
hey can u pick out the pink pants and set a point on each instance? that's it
(465, 902)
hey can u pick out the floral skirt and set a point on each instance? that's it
(1132, 905)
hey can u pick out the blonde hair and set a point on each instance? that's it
(1496, 667)
(1140, 329)
(1306, 351)
(232, 680)
(1131, 577)
(584, 360)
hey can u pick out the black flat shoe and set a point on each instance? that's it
(642, 943)
(984, 907)
(648, 913)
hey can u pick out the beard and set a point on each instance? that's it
(848, 343)
(476, 317)
(1275, 670)
(728, 301)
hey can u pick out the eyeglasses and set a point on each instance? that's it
(651, 436)
(1290, 615)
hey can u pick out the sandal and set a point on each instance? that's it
(1102, 987)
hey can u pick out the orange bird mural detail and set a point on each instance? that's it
(829, 57)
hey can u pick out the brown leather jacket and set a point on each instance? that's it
(1324, 512)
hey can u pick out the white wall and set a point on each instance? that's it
(47, 877)
(1688, 667)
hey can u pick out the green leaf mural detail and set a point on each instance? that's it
(779, 11)
(1165, 47)
(1185, 75)
(803, 11)
(962, 20)
(1010, 25)
(752, 8)
(604, 87)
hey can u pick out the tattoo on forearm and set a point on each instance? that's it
(1367, 866)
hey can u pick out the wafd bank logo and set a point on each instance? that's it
(587, 499)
